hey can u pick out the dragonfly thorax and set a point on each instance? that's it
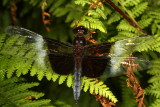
(79, 45)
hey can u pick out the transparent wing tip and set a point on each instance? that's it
(119, 65)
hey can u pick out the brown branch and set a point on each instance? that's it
(45, 16)
(130, 20)
(104, 101)
(132, 82)
(13, 11)
(90, 38)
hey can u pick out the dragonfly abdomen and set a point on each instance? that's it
(77, 84)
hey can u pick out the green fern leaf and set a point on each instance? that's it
(145, 22)
(153, 89)
(35, 103)
(55, 77)
(126, 27)
(113, 18)
(155, 103)
(82, 2)
(55, 5)
(14, 93)
(86, 85)
(139, 9)
(49, 75)
(60, 12)
(127, 94)
(69, 80)
(128, 3)
(101, 13)
(93, 85)
(62, 79)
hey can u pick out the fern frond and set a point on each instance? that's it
(93, 23)
(125, 26)
(55, 76)
(155, 67)
(62, 78)
(14, 93)
(55, 5)
(128, 3)
(60, 12)
(145, 22)
(155, 15)
(82, 2)
(113, 18)
(98, 87)
(139, 9)
(69, 80)
(155, 103)
(127, 94)
(101, 12)
(153, 89)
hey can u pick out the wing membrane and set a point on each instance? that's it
(62, 63)
(19, 39)
(120, 48)
(103, 48)
(30, 37)
(56, 46)
(118, 65)
(125, 47)
(95, 66)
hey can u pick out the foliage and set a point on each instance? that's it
(98, 16)
(14, 92)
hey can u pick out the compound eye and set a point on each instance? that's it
(80, 29)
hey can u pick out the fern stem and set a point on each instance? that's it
(129, 18)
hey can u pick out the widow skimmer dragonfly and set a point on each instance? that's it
(80, 58)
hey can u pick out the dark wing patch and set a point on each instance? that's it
(94, 66)
(62, 63)
(57, 46)
(103, 48)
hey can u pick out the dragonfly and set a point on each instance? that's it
(80, 58)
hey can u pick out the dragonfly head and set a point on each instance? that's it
(80, 31)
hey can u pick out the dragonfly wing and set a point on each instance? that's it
(31, 37)
(24, 42)
(62, 63)
(103, 48)
(57, 46)
(127, 46)
(120, 48)
(21, 42)
(119, 65)
(94, 66)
